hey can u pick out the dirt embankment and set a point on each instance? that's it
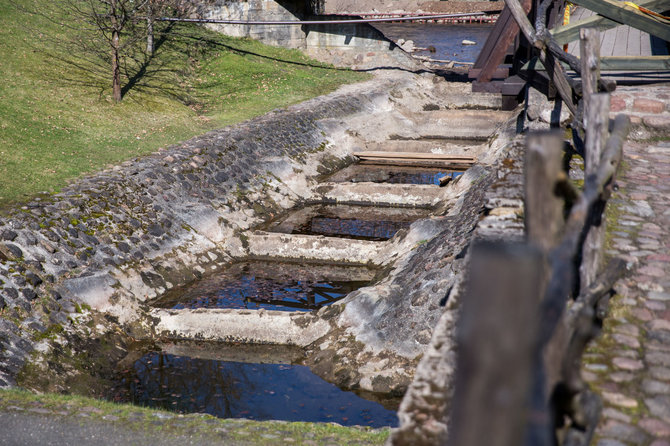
(410, 6)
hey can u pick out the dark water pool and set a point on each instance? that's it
(270, 285)
(257, 391)
(419, 177)
(359, 173)
(446, 38)
(357, 222)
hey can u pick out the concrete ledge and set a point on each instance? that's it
(474, 125)
(401, 195)
(312, 248)
(445, 146)
(247, 326)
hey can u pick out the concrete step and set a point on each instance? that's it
(376, 194)
(299, 217)
(463, 125)
(475, 101)
(246, 326)
(439, 146)
(315, 248)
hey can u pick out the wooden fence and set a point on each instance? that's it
(531, 308)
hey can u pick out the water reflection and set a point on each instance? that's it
(357, 222)
(271, 285)
(244, 390)
(359, 173)
(400, 177)
(351, 227)
(446, 38)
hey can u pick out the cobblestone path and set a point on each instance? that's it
(629, 365)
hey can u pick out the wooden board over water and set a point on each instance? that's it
(417, 159)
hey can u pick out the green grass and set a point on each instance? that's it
(58, 122)
(203, 429)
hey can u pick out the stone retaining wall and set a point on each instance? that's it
(352, 45)
(424, 411)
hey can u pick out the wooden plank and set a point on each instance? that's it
(580, 14)
(590, 50)
(570, 32)
(520, 16)
(500, 72)
(559, 78)
(607, 42)
(618, 63)
(553, 66)
(513, 86)
(596, 123)
(621, 41)
(614, 10)
(634, 43)
(487, 49)
(415, 155)
(645, 45)
(487, 87)
(543, 216)
(497, 44)
(573, 48)
(625, 63)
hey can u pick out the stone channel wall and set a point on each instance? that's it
(424, 411)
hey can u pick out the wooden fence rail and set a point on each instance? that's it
(531, 308)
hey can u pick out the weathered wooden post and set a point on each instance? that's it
(596, 126)
(589, 47)
(543, 211)
(496, 342)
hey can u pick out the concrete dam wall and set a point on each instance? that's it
(341, 44)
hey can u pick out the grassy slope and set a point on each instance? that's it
(199, 428)
(56, 122)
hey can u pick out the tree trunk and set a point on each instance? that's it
(150, 29)
(116, 41)
(116, 69)
(150, 35)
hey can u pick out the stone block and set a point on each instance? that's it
(617, 104)
(659, 123)
(643, 105)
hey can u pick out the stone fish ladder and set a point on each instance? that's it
(110, 243)
(300, 329)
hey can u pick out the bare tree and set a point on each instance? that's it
(103, 40)
(102, 30)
